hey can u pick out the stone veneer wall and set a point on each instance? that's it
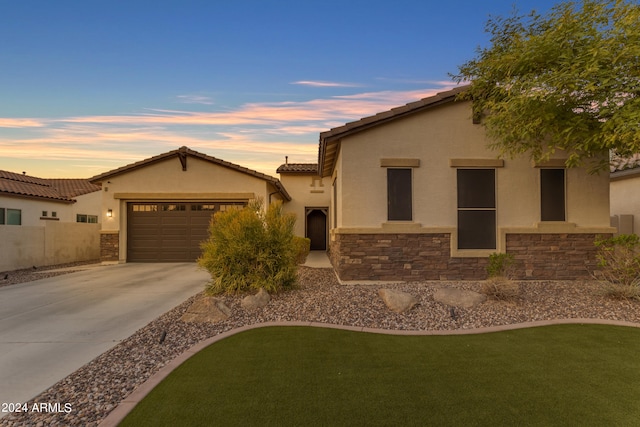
(413, 257)
(109, 247)
(553, 256)
(402, 257)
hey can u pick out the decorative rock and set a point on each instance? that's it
(259, 300)
(459, 297)
(207, 309)
(397, 301)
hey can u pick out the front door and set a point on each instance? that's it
(317, 228)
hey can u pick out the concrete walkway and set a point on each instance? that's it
(318, 259)
(51, 327)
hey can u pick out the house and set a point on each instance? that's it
(47, 221)
(159, 209)
(310, 201)
(412, 193)
(416, 195)
(625, 210)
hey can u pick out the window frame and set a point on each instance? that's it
(399, 205)
(465, 213)
(8, 213)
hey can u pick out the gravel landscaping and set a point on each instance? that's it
(95, 389)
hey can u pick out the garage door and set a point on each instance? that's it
(169, 232)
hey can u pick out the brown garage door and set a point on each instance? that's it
(169, 232)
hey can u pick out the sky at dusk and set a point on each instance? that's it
(89, 86)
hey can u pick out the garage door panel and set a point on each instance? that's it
(168, 232)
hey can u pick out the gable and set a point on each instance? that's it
(186, 170)
(331, 139)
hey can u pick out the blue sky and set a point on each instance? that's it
(89, 86)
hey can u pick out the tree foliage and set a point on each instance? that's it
(251, 249)
(568, 80)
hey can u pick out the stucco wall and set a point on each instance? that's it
(624, 199)
(165, 180)
(307, 191)
(54, 242)
(434, 137)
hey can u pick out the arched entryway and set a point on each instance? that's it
(316, 228)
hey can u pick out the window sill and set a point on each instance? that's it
(401, 226)
(48, 218)
(471, 253)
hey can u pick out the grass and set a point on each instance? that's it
(579, 375)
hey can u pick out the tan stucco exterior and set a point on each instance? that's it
(624, 199)
(309, 191)
(433, 143)
(165, 180)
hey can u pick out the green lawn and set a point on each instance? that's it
(579, 375)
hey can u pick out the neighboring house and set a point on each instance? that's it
(159, 209)
(47, 221)
(416, 195)
(625, 208)
(311, 195)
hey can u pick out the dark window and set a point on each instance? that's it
(476, 209)
(552, 198)
(1, 216)
(399, 195)
(14, 217)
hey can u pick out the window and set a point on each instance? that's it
(145, 208)
(552, 195)
(476, 209)
(54, 214)
(1, 216)
(173, 208)
(399, 203)
(44, 213)
(14, 217)
(203, 207)
(91, 219)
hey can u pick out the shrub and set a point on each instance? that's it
(499, 285)
(500, 265)
(619, 262)
(303, 246)
(250, 249)
(500, 288)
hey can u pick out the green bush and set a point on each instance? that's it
(499, 285)
(303, 246)
(619, 262)
(500, 265)
(249, 249)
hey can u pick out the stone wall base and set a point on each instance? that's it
(553, 256)
(417, 257)
(109, 247)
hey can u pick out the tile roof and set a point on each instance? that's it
(183, 152)
(62, 190)
(329, 140)
(298, 168)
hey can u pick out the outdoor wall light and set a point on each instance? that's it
(109, 213)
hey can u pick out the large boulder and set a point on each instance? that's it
(397, 301)
(207, 309)
(259, 300)
(459, 297)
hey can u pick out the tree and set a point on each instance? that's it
(568, 81)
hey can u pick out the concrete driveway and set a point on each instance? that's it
(51, 327)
